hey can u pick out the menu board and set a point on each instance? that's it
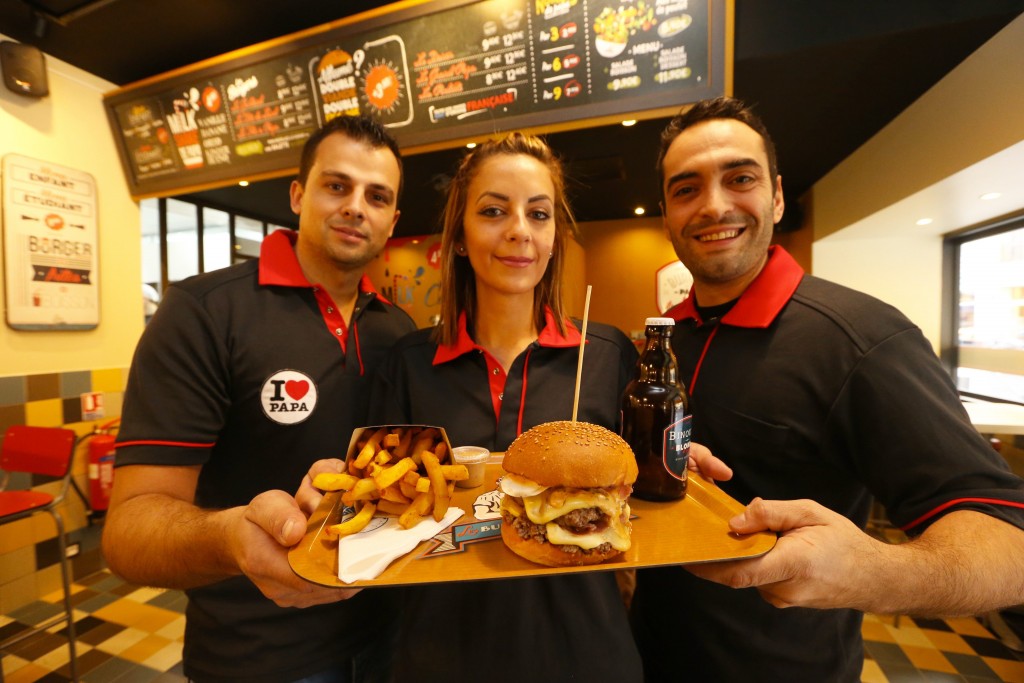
(432, 73)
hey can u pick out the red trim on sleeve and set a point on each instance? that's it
(959, 501)
(155, 442)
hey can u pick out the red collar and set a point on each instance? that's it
(280, 266)
(549, 337)
(762, 301)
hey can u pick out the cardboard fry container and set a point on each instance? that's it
(418, 435)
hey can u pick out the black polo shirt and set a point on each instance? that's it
(568, 627)
(250, 372)
(465, 390)
(808, 389)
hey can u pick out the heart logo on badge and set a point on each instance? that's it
(288, 397)
(296, 388)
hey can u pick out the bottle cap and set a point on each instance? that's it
(660, 321)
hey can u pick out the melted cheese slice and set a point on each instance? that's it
(615, 533)
(540, 510)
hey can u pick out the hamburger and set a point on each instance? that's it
(567, 487)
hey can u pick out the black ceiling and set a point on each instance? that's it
(825, 75)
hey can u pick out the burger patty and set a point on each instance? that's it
(578, 521)
(583, 521)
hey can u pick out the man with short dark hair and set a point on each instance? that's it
(820, 398)
(245, 377)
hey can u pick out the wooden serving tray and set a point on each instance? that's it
(690, 530)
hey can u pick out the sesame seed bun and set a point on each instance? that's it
(573, 454)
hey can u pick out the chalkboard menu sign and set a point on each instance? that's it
(433, 72)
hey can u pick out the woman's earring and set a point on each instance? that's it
(460, 250)
(550, 254)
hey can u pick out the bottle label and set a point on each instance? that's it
(676, 452)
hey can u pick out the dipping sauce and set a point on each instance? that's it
(475, 459)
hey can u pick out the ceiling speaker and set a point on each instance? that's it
(24, 69)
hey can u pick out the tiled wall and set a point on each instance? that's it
(28, 548)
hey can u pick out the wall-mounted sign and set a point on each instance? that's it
(672, 285)
(433, 72)
(50, 255)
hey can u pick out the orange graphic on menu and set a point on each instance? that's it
(382, 87)
(211, 99)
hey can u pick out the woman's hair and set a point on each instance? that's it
(458, 285)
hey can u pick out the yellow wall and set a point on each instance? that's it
(43, 373)
(974, 112)
(70, 128)
(621, 260)
(861, 239)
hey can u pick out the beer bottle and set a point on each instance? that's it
(656, 418)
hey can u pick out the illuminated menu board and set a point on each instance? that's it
(433, 72)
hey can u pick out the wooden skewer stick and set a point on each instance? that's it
(579, 363)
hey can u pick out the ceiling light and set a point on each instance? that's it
(243, 183)
(990, 195)
(639, 211)
(470, 145)
(629, 122)
(924, 221)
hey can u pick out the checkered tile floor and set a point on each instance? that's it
(128, 634)
(125, 634)
(960, 650)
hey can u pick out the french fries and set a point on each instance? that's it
(396, 471)
(332, 481)
(355, 524)
(437, 483)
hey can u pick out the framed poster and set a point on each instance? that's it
(50, 254)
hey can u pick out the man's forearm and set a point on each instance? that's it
(158, 540)
(966, 563)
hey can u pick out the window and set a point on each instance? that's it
(152, 244)
(988, 358)
(181, 238)
(216, 239)
(249, 235)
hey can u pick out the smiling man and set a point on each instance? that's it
(820, 398)
(245, 377)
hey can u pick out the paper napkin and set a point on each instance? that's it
(366, 554)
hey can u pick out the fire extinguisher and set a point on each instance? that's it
(101, 467)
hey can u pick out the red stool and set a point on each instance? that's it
(47, 451)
